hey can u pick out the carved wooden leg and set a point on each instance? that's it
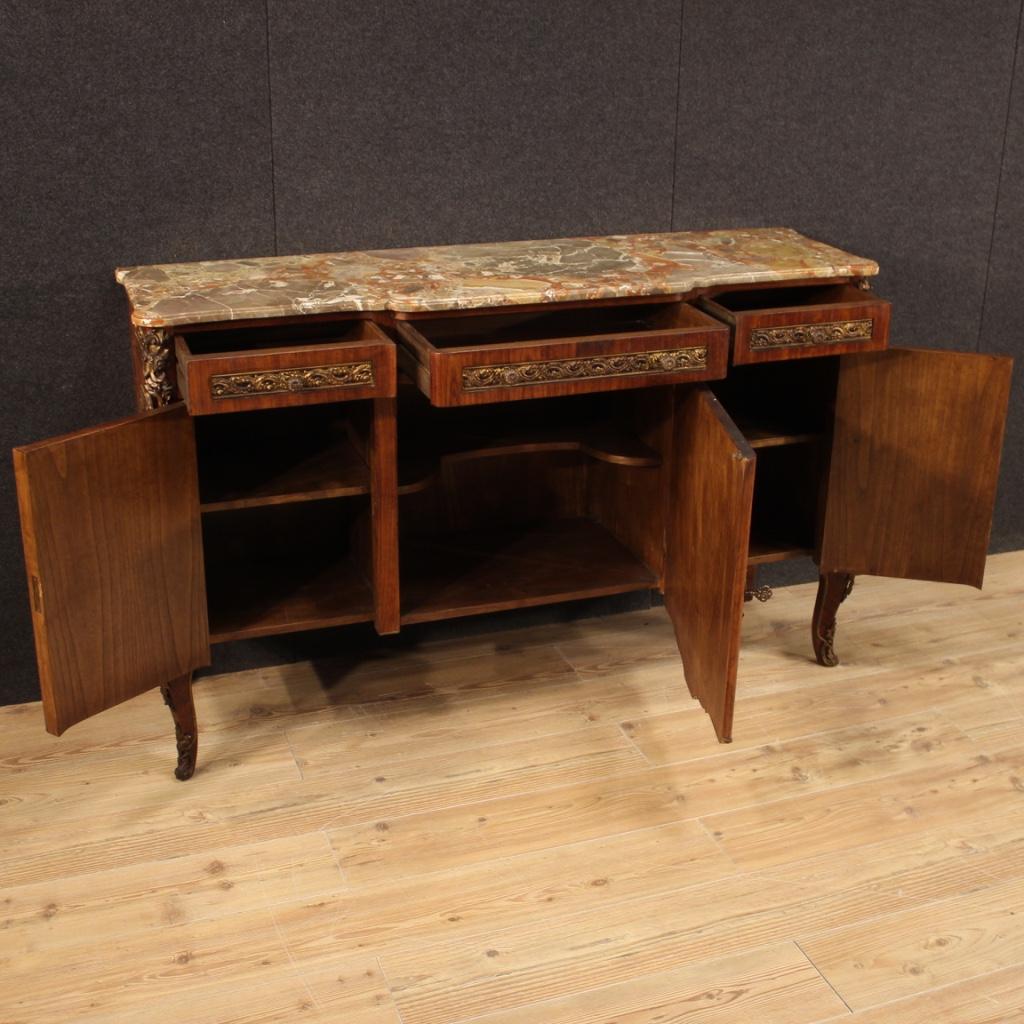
(178, 697)
(752, 590)
(833, 589)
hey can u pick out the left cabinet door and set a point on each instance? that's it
(113, 549)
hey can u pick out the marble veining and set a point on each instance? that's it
(477, 276)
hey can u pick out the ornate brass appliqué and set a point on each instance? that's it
(515, 375)
(301, 378)
(154, 357)
(798, 335)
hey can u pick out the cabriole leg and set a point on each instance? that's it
(178, 697)
(833, 589)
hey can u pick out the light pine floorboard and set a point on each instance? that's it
(538, 827)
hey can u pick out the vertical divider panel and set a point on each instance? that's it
(383, 459)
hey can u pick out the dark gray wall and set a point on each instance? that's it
(140, 131)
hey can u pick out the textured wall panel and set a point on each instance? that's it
(465, 120)
(1003, 320)
(874, 125)
(133, 132)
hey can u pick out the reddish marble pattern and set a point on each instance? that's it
(478, 276)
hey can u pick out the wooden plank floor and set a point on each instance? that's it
(538, 827)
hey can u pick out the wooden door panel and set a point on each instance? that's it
(915, 462)
(110, 523)
(708, 533)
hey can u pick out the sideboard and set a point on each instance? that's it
(410, 435)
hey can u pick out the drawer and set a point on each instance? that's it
(790, 323)
(239, 369)
(474, 358)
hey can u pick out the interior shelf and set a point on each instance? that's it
(281, 570)
(586, 425)
(279, 456)
(760, 434)
(764, 550)
(274, 474)
(787, 486)
(515, 567)
(778, 404)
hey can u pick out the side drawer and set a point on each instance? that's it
(791, 323)
(237, 370)
(504, 356)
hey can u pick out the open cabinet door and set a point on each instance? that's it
(915, 462)
(708, 522)
(113, 548)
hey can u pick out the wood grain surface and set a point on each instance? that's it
(915, 463)
(110, 522)
(536, 826)
(707, 534)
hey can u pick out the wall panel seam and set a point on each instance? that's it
(999, 176)
(270, 120)
(675, 135)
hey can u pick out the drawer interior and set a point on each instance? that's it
(792, 298)
(210, 342)
(471, 331)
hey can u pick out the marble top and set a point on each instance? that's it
(476, 276)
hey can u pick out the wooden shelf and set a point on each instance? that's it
(762, 551)
(276, 597)
(283, 569)
(475, 573)
(772, 436)
(273, 474)
(599, 441)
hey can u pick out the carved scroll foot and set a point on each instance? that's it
(178, 697)
(833, 589)
(752, 591)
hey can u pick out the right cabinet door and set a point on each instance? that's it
(915, 462)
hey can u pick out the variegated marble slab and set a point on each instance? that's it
(478, 276)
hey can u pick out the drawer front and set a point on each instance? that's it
(853, 320)
(285, 376)
(471, 375)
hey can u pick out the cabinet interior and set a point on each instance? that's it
(529, 502)
(283, 568)
(785, 412)
(284, 496)
(501, 506)
(277, 456)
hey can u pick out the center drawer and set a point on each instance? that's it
(242, 368)
(474, 358)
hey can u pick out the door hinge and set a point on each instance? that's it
(37, 594)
